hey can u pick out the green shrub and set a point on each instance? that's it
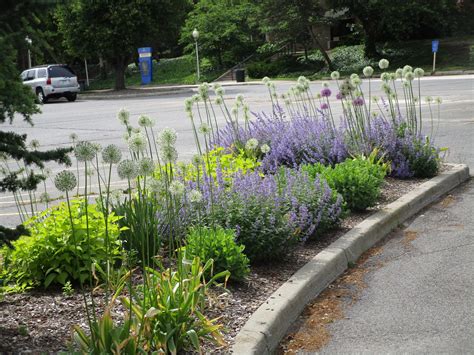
(53, 255)
(350, 58)
(357, 180)
(219, 245)
(282, 65)
(424, 159)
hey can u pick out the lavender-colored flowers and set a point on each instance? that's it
(326, 92)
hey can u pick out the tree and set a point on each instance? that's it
(399, 19)
(294, 20)
(17, 99)
(225, 33)
(115, 29)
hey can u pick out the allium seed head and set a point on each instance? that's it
(399, 73)
(419, 72)
(65, 181)
(34, 144)
(124, 116)
(204, 129)
(111, 154)
(195, 196)
(220, 91)
(335, 75)
(146, 167)
(137, 142)
(169, 154)
(73, 137)
(409, 76)
(84, 151)
(176, 188)
(368, 71)
(145, 121)
(265, 148)
(167, 136)
(251, 144)
(127, 169)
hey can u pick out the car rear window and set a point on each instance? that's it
(60, 72)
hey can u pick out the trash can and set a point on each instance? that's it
(239, 75)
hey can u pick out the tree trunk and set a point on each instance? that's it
(370, 39)
(119, 68)
(321, 48)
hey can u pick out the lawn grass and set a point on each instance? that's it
(181, 70)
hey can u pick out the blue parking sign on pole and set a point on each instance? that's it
(146, 64)
(434, 45)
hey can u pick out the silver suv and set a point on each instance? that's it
(51, 81)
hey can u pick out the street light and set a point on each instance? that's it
(196, 36)
(29, 41)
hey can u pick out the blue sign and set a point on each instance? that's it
(434, 45)
(146, 64)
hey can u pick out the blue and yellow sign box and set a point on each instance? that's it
(146, 64)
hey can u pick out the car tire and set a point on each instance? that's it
(71, 97)
(40, 97)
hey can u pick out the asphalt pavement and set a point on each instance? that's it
(420, 297)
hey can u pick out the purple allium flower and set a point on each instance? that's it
(339, 96)
(358, 101)
(324, 106)
(326, 92)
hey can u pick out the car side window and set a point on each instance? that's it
(41, 73)
(30, 75)
(23, 75)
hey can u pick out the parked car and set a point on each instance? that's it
(51, 81)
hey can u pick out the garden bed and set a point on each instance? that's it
(41, 320)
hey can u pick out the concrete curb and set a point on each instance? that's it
(269, 323)
(152, 91)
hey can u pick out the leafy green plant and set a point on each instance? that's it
(68, 290)
(49, 255)
(358, 180)
(423, 158)
(171, 310)
(219, 245)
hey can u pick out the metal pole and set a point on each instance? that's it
(87, 72)
(29, 58)
(197, 61)
(434, 61)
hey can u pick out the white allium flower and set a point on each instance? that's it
(356, 81)
(84, 151)
(196, 98)
(204, 91)
(383, 64)
(145, 121)
(156, 186)
(399, 73)
(368, 71)
(126, 136)
(111, 154)
(428, 99)
(385, 76)
(137, 142)
(300, 88)
(335, 75)
(405, 83)
(127, 169)
(220, 91)
(169, 154)
(73, 137)
(419, 72)
(146, 167)
(195, 196)
(239, 99)
(438, 100)
(167, 136)
(287, 102)
(375, 99)
(216, 86)
(204, 128)
(266, 80)
(325, 84)
(47, 172)
(301, 79)
(392, 76)
(188, 105)
(176, 188)
(196, 160)
(353, 76)
(65, 181)
(97, 147)
(265, 148)
(136, 130)
(34, 144)
(386, 88)
(234, 110)
(218, 100)
(251, 144)
(124, 116)
(407, 69)
(409, 76)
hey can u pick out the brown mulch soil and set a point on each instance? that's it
(41, 321)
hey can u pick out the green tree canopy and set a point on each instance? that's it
(115, 29)
(400, 19)
(226, 30)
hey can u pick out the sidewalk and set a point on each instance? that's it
(419, 293)
(146, 91)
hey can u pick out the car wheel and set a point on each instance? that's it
(40, 96)
(71, 97)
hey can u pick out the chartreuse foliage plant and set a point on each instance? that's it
(53, 254)
(219, 245)
(358, 180)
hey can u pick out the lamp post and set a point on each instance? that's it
(29, 41)
(196, 36)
